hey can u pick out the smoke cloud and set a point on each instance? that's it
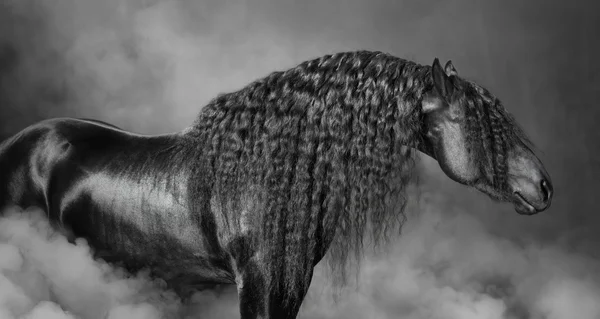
(149, 66)
(445, 265)
(42, 275)
(448, 265)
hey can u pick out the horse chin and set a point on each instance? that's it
(525, 210)
(522, 206)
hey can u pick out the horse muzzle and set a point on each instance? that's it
(533, 198)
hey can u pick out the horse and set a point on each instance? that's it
(271, 177)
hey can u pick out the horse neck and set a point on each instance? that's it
(396, 114)
(373, 101)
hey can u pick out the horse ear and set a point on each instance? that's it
(450, 70)
(441, 80)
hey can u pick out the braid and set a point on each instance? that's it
(323, 143)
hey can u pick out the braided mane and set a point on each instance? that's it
(328, 142)
(324, 152)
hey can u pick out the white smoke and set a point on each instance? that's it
(445, 265)
(42, 275)
(157, 62)
(448, 265)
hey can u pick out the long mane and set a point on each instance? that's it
(324, 148)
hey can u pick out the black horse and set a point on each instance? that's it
(271, 177)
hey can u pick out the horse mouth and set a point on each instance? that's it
(522, 206)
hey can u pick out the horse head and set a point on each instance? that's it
(477, 143)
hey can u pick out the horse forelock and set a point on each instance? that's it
(492, 133)
(329, 143)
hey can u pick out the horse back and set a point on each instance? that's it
(29, 158)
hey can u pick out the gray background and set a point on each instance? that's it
(150, 66)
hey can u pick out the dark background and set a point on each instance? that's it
(150, 66)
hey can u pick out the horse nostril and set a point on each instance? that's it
(546, 190)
